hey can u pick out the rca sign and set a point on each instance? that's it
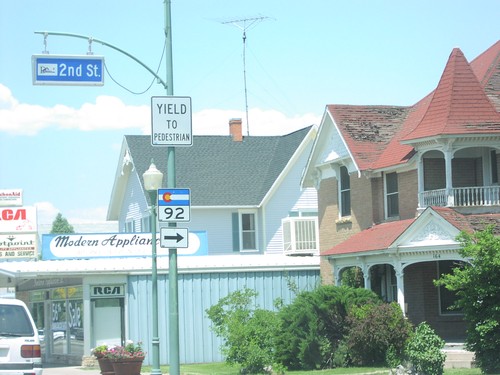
(18, 219)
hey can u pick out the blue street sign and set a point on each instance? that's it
(174, 205)
(85, 70)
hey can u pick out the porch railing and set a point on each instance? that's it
(300, 235)
(462, 196)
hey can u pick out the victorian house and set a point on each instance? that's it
(396, 185)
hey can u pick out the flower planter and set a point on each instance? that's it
(127, 366)
(106, 366)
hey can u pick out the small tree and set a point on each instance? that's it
(247, 331)
(477, 285)
(61, 225)
(377, 334)
(424, 351)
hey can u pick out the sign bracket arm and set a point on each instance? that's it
(46, 33)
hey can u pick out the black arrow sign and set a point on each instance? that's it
(177, 237)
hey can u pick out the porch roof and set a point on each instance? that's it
(378, 237)
(382, 236)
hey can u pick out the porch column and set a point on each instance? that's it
(400, 284)
(420, 181)
(336, 272)
(338, 279)
(448, 156)
(366, 274)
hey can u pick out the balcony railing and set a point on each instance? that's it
(462, 196)
(300, 235)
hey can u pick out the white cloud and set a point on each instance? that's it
(46, 212)
(108, 113)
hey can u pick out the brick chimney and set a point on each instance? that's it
(235, 130)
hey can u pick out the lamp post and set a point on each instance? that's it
(153, 179)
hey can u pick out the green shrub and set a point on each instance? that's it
(377, 335)
(424, 351)
(248, 333)
(314, 324)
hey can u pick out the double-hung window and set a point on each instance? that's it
(392, 194)
(345, 192)
(245, 231)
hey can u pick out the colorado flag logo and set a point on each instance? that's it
(173, 197)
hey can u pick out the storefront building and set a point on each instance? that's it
(78, 304)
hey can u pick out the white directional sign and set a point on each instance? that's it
(174, 237)
(171, 121)
(86, 70)
(174, 205)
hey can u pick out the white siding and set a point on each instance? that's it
(288, 197)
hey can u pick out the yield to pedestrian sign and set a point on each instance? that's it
(174, 205)
(171, 121)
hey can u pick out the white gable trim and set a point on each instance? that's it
(429, 231)
(329, 147)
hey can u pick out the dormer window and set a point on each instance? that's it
(391, 195)
(345, 193)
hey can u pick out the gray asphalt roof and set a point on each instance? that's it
(218, 170)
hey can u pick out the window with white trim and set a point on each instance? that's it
(345, 192)
(248, 231)
(245, 235)
(391, 194)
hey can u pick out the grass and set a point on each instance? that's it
(224, 369)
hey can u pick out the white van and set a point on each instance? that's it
(20, 352)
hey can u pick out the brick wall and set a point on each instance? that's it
(332, 232)
(408, 194)
(422, 299)
(327, 214)
(434, 173)
(378, 199)
(361, 203)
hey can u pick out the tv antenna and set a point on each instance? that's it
(245, 24)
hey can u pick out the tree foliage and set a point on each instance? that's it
(60, 225)
(477, 285)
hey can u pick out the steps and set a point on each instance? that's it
(457, 356)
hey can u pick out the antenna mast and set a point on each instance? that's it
(245, 24)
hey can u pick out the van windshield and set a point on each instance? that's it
(14, 321)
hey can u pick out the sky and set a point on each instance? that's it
(61, 144)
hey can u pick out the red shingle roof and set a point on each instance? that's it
(467, 100)
(368, 129)
(378, 237)
(470, 222)
(459, 104)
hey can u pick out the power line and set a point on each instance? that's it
(245, 24)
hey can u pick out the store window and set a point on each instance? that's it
(60, 319)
